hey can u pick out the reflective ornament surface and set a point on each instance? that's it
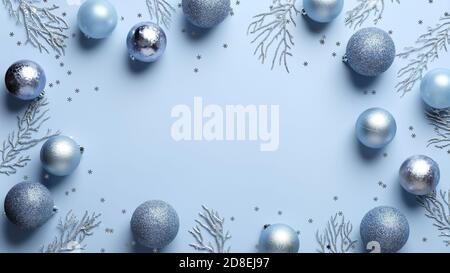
(375, 128)
(323, 11)
(146, 42)
(206, 13)
(60, 155)
(419, 175)
(25, 80)
(278, 238)
(97, 19)
(435, 88)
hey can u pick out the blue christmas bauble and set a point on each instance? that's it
(146, 42)
(97, 19)
(435, 88)
(29, 205)
(25, 80)
(155, 224)
(419, 175)
(60, 155)
(370, 52)
(206, 13)
(375, 128)
(386, 227)
(278, 238)
(323, 11)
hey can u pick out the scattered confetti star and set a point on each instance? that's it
(280, 212)
(365, 92)
(256, 209)
(374, 92)
(411, 128)
(67, 193)
(335, 198)
(338, 43)
(195, 70)
(305, 63)
(199, 57)
(57, 82)
(225, 45)
(448, 151)
(340, 213)
(102, 200)
(57, 57)
(322, 40)
(90, 172)
(11, 34)
(139, 15)
(50, 85)
(232, 218)
(74, 190)
(413, 135)
(424, 239)
(420, 22)
(334, 54)
(25, 177)
(238, 2)
(124, 211)
(102, 250)
(385, 154)
(69, 72)
(310, 220)
(61, 64)
(77, 90)
(96, 88)
(64, 14)
(390, 32)
(375, 199)
(69, 99)
(122, 18)
(19, 43)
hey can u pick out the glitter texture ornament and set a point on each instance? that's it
(323, 11)
(385, 226)
(278, 238)
(370, 52)
(60, 155)
(97, 19)
(155, 224)
(419, 175)
(146, 42)
(206, 13)
(29, 205)
(25, 80)
(375, 128)
(435, 88)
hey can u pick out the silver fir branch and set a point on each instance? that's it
(272, 34)
(336, 237)
(212, 223)
(44, 28)
(440, 119)
(437, 208)
(365, 9)
(161, 11)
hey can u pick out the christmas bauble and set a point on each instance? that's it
(206, 13)
(29, 205)
(435, 88)
(375, 128)
(385, 226)
(155, 224)
(419, 175)
(97, 19)
(323, 11)
(146, 42)
(25, 80)
(60, 155)
(278, 238)
(370, 52)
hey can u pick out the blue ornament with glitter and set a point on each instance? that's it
(206, 13)
(323, 11)
(146, 42)
(97, 19)
(278, 238)
(435, 88)
(60, 155)
(385, 227)
(375, 128)
(25, 80)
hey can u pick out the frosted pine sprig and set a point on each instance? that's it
(437, 208)
(160, 11)
(440, 119)
(336, 236)
(365, 9)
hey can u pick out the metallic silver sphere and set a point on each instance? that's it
(419, 175)
(278, 238)
(375, 128)
(146, 42)
(60, 155)
(25, 80)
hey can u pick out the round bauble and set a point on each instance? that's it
(97, 19)
(435, 88)
(146, 42)
(60, 155)
(323, 11)
(206, 13)
(419, 175)
(25, 80)
(375, 128)
(370, 52)
(155, 224)
(29, 205)
(278, 238)
(386, 227)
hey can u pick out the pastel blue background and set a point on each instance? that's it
(125, 128)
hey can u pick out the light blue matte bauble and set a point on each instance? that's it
(25, 80)
(419, 175)
(97, 18)
(155, 224)
(206, 13)
(146, 42)
(375, 128)
(28, 205)
(370, 52)
(278, 238)
(60, 155)
(435, 88)
(386, 227)
(323, 11)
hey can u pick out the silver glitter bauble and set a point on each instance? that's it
(146, 42)
(323, 11)
(386, 227)
(25, 80)
(375, 128)
(155, 224)
(278, 238)
(419, 175)
(370, 52)
(60, 155)
(206, 13)
(29, 205)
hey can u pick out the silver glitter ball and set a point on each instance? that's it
(323, 11)
(25, 80)
(29, 205)
(375, 128)
(419, 175)
(60, 155)
(206, 13)
(146, 42)
(278, 238)
(386, 227)
(370, 52)
(155, 224)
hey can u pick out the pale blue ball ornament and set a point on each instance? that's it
(206, 13)
(435, 88)
(278, 238)
(375, 128)
(97, 19)
(323, 11)
(60, 155)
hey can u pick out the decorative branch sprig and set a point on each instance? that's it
(24, 137)
(272, 35)
(160, 11)
(42, 26)
(212, 223)
(440, 119)
(427, 50)
(73, 232)
(336, 237)
(365, 9)
(437, 208)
